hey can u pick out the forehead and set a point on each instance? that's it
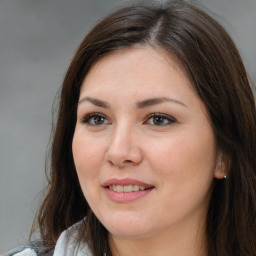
(136, 66)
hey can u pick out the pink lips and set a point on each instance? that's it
(124, 197)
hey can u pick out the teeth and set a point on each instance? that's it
(136, 188)
(119, 188)
(129, 188)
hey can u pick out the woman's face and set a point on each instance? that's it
(143, 146)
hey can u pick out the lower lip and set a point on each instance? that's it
(125, 197)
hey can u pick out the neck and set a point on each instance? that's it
(187, 241)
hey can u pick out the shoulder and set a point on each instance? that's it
(68, 244)
(33, 248)
(21, 251)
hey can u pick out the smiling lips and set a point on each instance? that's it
(126, 190)
(129, 188)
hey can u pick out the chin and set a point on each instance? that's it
(126, 228)
(126, 233)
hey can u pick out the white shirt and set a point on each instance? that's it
(66, 245)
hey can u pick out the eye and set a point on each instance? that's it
(159, 119)
(95, 119)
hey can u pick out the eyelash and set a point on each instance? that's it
(166, 118)
(86, 119)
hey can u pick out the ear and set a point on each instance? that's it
(222, 165)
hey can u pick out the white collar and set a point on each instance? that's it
(67, 244)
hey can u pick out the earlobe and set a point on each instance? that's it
(222, 166)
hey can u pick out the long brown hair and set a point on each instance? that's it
(215, 69)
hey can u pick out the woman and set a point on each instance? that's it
(154, 147)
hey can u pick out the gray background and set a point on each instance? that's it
(37, 40)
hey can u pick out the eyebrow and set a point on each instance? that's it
(140, 104)
(154, 101)
(97, 102)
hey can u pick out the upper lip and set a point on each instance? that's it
(126, 182)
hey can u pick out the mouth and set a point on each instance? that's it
(127, 188)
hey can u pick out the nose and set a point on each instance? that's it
(124, 149)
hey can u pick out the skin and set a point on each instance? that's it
(179, 157)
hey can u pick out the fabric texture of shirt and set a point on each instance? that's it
(66, 245)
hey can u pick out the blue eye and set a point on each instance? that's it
(160, 119)
(95, 119)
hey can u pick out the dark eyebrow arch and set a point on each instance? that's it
(97, 102)
(154, 101)
(140, 104)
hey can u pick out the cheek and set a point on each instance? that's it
(185, 157)
(87, 159)
(185, 168)
(86, 156)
